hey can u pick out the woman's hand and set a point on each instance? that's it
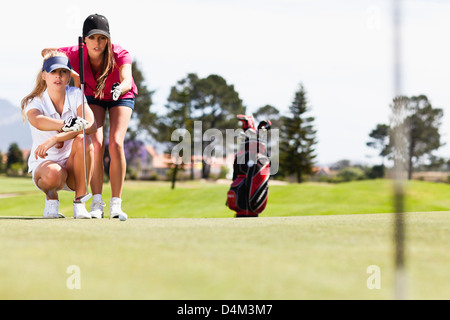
(74, 124)
(41, 150)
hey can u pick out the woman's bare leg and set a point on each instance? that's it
(50, 177)
(119, 118)
(99, 150)
(75, 165)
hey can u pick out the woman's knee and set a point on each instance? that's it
(116, 147)
(51, 177)
(78, 143)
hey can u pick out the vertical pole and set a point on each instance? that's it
(81, 62)
(400, 146)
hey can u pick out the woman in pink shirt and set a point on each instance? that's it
(109, 87)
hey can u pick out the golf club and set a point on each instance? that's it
(87, 196)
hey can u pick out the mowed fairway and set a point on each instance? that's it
(310, 257)
(312, 242)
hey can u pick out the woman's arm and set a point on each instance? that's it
(47, 50)
(89, 117)
(76, 78)
(57, 141)
(126, 77)
(43, 123)
(40, 121)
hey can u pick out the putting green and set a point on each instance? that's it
(308, 257)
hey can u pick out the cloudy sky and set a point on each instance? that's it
(341, 50)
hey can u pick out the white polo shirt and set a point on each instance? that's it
(45, 105)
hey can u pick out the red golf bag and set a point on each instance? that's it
(249, 190)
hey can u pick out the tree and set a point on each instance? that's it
(217, 103)
(351, 174)
(144, 117)
(210, 100)
(420, 124)
(380, 140)
(14, 155)
(298, 138)
(423, 124)
(271, 113)
(179, 116)
(2, 169)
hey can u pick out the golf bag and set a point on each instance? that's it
(249, 190)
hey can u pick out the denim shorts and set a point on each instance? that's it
(127, 102)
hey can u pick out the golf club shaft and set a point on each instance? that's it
(81, 61)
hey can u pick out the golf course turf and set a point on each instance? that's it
(188, 255)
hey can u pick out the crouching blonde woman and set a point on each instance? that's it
(54, 113)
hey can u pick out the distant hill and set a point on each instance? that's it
(12, 128)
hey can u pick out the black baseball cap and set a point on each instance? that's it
(96, 24)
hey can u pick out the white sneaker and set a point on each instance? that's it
(115, 210)
(51, 210)
(96, 209)
(80, 212)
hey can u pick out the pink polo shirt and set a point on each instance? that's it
(121, 56)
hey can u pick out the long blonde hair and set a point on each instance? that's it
(40, 85)
(108, 66)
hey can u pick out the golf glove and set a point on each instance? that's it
(116, 91)
(74, 124)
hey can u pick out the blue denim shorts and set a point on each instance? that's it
(127, 102)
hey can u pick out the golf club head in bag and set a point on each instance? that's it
(265, 125)
(247, 122)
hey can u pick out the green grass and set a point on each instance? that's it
(309, 257)
(207, 200)
(314, 241)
